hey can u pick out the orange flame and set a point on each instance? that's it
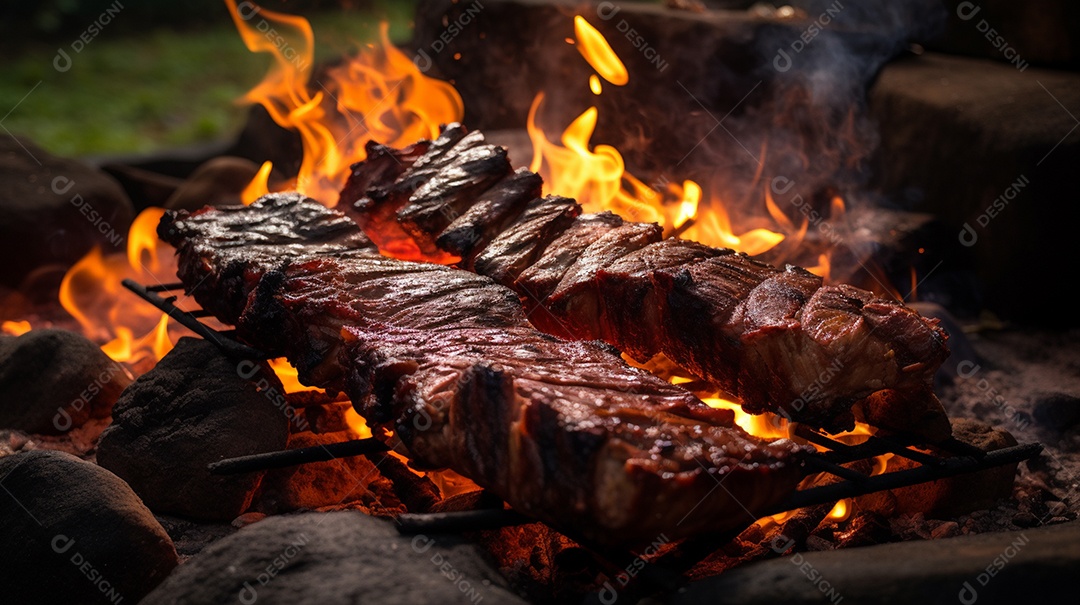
(598, 179)
(770, 426)
(15, 328)
(92, 293)
(378, 95)
(259, 186)
(595, 48)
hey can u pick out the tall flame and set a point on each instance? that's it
(378, 95)
(771, 426)
(597, 176)
(595, 48)
(92, 293)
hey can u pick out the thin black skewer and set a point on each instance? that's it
(470, 520)
(226, 345)
(281, 459)
(948, 467)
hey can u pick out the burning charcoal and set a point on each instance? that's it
(864, 529)
(416, 492)
(960, 494)
(1025, 519)
(345, 480)
(908, 412)
(75, 533)
(472, 500)
(54, 210)
(192, 409)
(53, 380)
(329, 418)
(818, 544)
(334, 558)
(947, 529)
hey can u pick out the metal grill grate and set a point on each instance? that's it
(963, 458)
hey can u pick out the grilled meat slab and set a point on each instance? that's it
(775, 337)
(564, 431)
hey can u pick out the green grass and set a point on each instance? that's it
(161, 89)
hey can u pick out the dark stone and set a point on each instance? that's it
(1038, 566)
(1039, 32)
(52, 381)
(192, 537)
(218, 182)
(54, 210)
(144, 187)
(75, 533)
(332, 558)
(192, 409)
(1057, 411)
(960, 135)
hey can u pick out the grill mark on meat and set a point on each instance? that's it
(525, 239)
(575, 300)
(489, 214)
(564, 431)
(542, 277)
(466, 170)
(764, 334)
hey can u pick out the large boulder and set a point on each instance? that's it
(54, 210)
(75, 533)
(991, 151)
(1032, 566)
(195, 407)
(332, 558)
(52, 381)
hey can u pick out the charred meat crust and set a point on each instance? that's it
(562, 430)
(777, 338)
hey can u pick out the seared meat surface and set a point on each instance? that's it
(776, 338)
(564, 431)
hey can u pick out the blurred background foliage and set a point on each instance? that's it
(159, 74)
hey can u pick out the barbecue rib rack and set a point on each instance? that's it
(928, 467)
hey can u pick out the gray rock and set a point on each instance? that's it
(980, 143)
(1056, 411)
(331, 558)
(52, 381)
(218, 182)
(73, 532)
(1031, 566)
(192, 409)
(54, 210)
(1043, 32)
